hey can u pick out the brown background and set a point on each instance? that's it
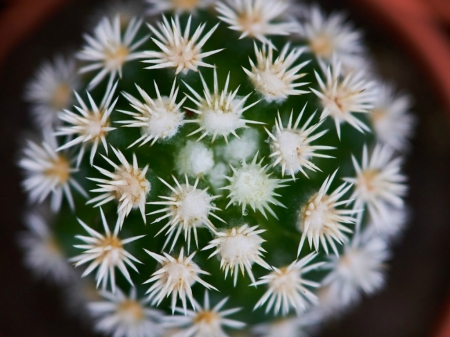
(419, 274)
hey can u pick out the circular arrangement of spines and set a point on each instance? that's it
(217, 177)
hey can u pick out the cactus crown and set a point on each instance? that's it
(235, 155)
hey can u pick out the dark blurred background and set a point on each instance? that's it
(414, 300)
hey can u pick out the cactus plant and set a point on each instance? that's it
(226, 167)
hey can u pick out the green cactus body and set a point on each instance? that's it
(236, 150)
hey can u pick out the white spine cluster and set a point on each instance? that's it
(379, 183)
(107, 50)
(321, 221)
(256, 18)
(90, 126)
(331, 36)
(43, 253)
(391, 119)
(157, 119)
(275, 79)
(105, 253)
(188, 208)
(48, 172)
(178, 49)
(251, 185)
(342, 95)
(219, 113)
(204, 322)
(360, 268)
(239, 248)
(175, 277)
(125, 316)
(127, 184)
(291, 148)
(287, 287)
(242, 148)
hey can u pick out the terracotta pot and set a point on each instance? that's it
(20, 17)
(419, 25)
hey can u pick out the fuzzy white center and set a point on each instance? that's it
(195, 159)
(292, 147)
(317, 214)
(179, 274)
(194, 205)
(270, 83)
(251, 186)
(164, 123)
(242, 148)
(221, 120)
(237, 248)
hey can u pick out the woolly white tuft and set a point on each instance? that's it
(203, 322)
(107, 50)
(157, 119)
(242, 148)
(217, 175)
(187, 209)
(105, 252)
(219, 113)
(194, 159)
(127, 184)
(291, 147)
(321, 221)
(175, 277)
(275, 79)
(178, 50)
(92, 126)
(287, 287)
(122, 316)
(239, 248)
